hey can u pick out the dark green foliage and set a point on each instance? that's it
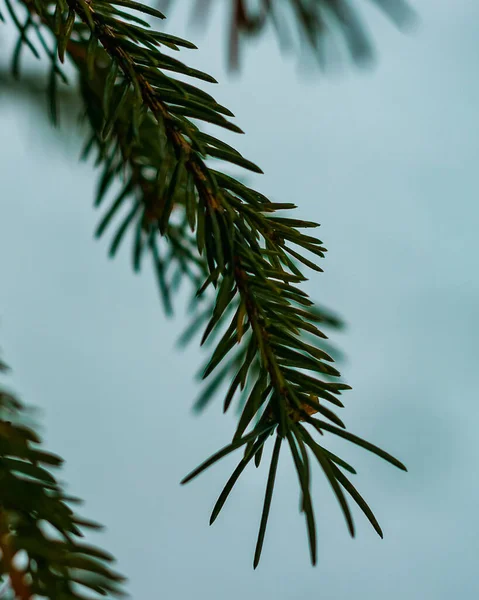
(35, 518)
(200, 224)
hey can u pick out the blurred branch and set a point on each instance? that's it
(316, 22)
(31, 502)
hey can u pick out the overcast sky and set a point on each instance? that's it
(386, 161)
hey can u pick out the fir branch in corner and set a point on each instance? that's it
(33, 505)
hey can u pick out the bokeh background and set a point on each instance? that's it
(386, 161)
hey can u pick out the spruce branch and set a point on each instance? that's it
(32, 506)
(144, 127)
(316, 21)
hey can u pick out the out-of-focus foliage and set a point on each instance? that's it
(41, 552)
(164, 182)
(317, 23)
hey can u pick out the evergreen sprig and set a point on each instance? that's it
(315, 21)
(37, 522)
(147, 125)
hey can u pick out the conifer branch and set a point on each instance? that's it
(32, 506)
(316, 21)
(142, 121)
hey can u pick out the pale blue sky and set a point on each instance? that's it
(385, 160)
